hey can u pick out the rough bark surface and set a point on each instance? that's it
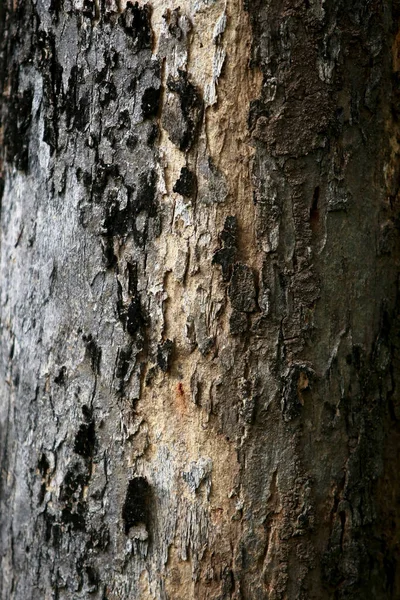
(199, 354)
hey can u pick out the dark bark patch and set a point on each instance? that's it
(134, 317)
(43, 465)
(85, 440)
(229, 233)
(1, 189)
(150, 102)
(153, 134)
(16, 133)
(94, 353)
(82, 116)
(242, 289)
(132, 141)
(117, 222)
(182, 113)
(93, 579)
(136, 508)
(52, 86)
(71, 97)
(122, 364)
(164, 355)
(55, 8)
(136, 22)
(186, 185)
(104, 173)
(108, 93)
(238, 322)
(314, 210)
(132, 278)
(146, 194)
(89, 9)
(124, 120)
(52, 531)
(98, 538)
(71, 495)
(297, 384)
(84, 177)
(225, 256)
(74, 517)
(60, 378)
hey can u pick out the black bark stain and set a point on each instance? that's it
(242, 289)
(134, 317)
(136, 508)
(85, 440)
(226, 256)
(94, 352)
(182, 118)
(150, 102)
(186, 185)
(136, 22)
(164, 355)
(60, 378)
(16, 131)
(74, 508)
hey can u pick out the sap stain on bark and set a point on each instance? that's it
(136, 508)
(183, 111)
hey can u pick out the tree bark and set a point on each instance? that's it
(199, 349)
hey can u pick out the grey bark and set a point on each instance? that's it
(199, 376)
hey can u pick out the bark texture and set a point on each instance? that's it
(199, 355)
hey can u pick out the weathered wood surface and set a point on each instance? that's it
(199, 356)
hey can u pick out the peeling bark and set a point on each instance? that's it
(199, 303)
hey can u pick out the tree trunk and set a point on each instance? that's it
(200, 320)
